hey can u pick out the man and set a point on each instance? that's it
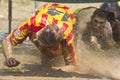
(98, 33)
(51, 30)
(116, 5)
(114, 18)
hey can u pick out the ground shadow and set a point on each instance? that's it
(40, 71)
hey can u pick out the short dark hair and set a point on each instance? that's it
(101, 13)
(112, 13)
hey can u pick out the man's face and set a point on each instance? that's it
(98, 22)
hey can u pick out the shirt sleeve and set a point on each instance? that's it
(108, 37)
(19, 34)
(69, 51)
(108, 32)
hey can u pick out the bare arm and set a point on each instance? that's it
(7, 47)
(17, 36)
(10, 60)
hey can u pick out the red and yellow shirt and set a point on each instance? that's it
(57, 14)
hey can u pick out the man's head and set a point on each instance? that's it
(99, 18)
(112, 13)
(49, 36)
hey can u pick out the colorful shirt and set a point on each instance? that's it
(57, 14)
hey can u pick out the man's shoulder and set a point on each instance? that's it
(108, 26)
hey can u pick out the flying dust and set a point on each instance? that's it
(104, 63)
(98, 63)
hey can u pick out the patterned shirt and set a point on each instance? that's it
(57, 14)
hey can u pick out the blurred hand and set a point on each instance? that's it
(12, 62)
(35, 41)
(67, 68)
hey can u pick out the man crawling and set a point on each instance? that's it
(98, 33)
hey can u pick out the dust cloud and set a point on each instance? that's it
(98, 63)
(104, 63)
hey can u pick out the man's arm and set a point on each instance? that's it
(116, 31)
(108, 37)
(7, 48)
(17, 36)
(10, 60)
(69, 51)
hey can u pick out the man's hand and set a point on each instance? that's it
(67, 68)
(12, 62)
(94, 43)
(36, 42)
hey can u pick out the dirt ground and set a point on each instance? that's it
(31, 69)
(91, 67)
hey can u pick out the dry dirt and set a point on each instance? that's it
(92, 66)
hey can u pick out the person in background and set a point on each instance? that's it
(51, 30)
(98, 33)
(113, 9)
(116, 5)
